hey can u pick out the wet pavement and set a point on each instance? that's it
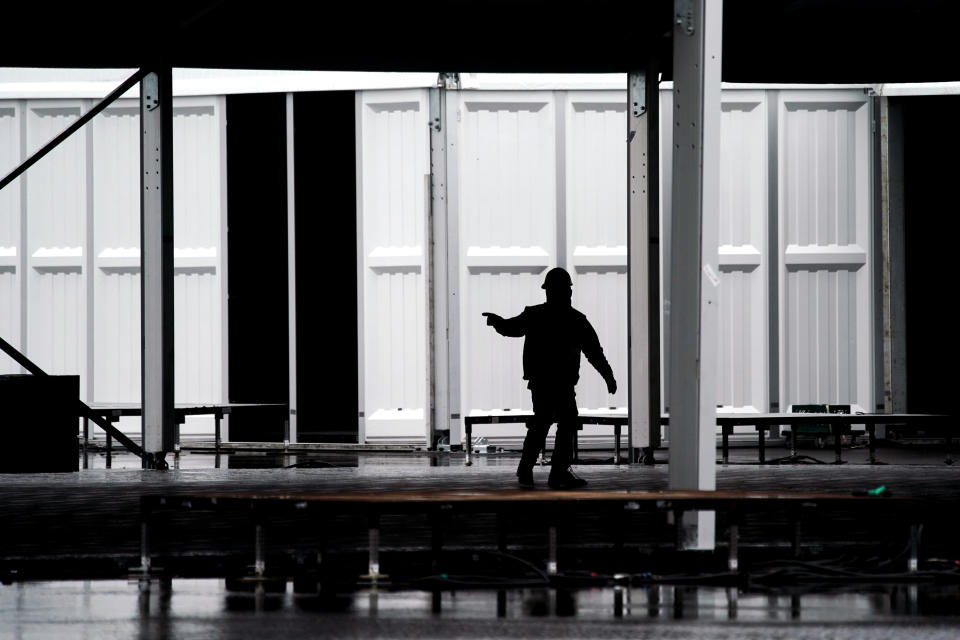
(206, 609)
(93, 514)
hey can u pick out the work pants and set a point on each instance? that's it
(551, 404)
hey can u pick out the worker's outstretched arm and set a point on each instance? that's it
(512, 327)
(594, 353)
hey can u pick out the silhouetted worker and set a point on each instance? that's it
(555, 335)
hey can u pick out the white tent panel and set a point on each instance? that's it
(197, 301)
(56, 238)
(394, 163)
(826, 321)
(9, 233)
(116, 279)
(743, 253)
(508, 233)
(596, 206)
(197, 280)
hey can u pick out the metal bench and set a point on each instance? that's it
(112, 412)
(839, 424)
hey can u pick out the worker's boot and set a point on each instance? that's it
(532, 444)
(525, 476)
(562, 479)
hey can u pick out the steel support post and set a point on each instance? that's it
(694, 277)
(156, 262)
(444, 268)
(291, 435)
(893, 258)
(643, 259)
(437, 274)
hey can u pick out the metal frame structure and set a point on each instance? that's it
(643, 260)
(693, 266)
(156, 176)
(156, 282)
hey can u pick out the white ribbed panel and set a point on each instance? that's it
(742, 380)
(196, 173)
(117, 337)
(197, 307)
(197, 336)
(508, 233)
(56, 235)
(395, 161)
(196, 233)
(596, 204)
(116, 279)
(10, 251)
(826, 334)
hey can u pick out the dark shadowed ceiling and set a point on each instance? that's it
(862, 41)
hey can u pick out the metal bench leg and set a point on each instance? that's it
(616, 444)
(468, 425)
(763, 444)
(837, 443)
(725, 443)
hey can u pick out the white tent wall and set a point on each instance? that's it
(81, 212)
(743, 256)
(541, 182)
(10, 255)
(826, 335)
(393, 165)
(508, 234)
(56, 205)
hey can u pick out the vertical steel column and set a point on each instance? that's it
(892, 247)
(437, 318)
(88, 263)
(24, 246)
(223, 260)
(694, 279)
(643, 259)
(291, 435)
(361, 356)
(156, 264)
(449, 110)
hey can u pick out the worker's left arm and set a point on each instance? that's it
(590, 345)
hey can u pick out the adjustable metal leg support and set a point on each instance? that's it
(733, 560)
(913, 562)
(552, 550)
(144, 547)
(373, 553)
(259, 559)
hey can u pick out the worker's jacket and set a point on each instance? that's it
(555, 336)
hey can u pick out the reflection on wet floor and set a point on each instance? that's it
(206, 608)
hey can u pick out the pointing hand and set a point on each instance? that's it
(492, 318)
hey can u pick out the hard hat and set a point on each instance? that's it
(557, 277)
